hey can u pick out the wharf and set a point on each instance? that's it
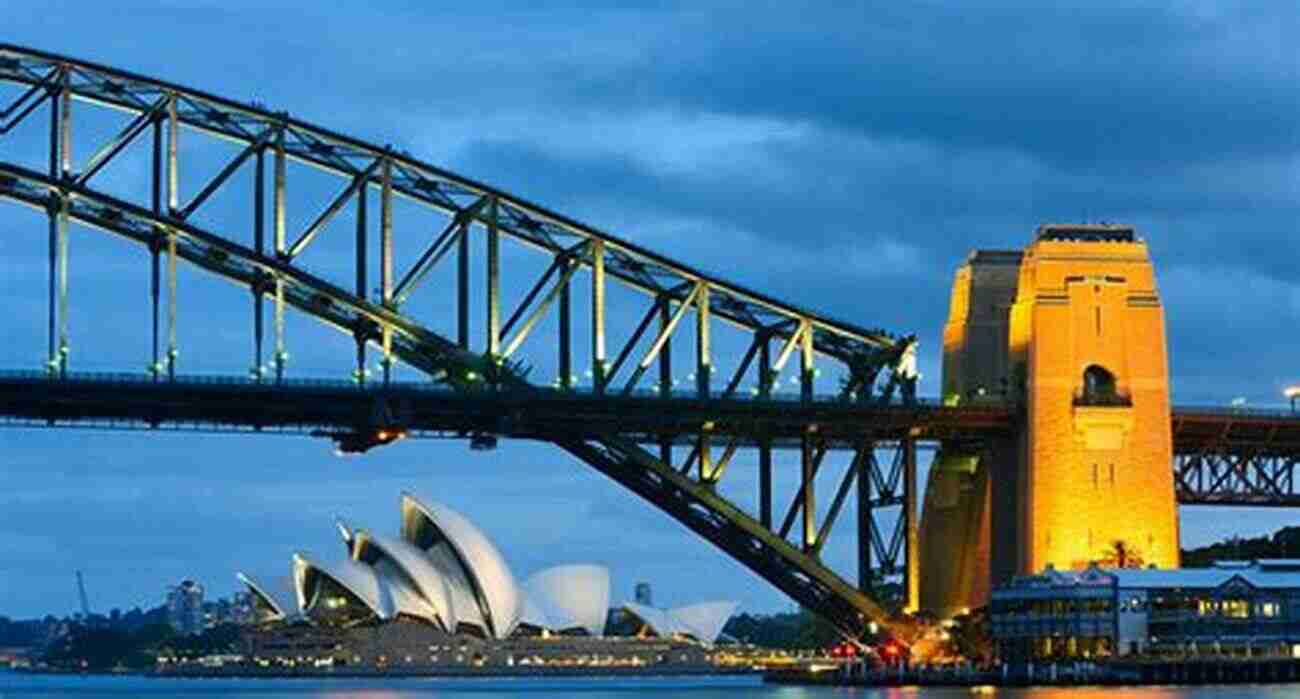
(1129, 673)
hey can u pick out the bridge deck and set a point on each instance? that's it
(427, 409)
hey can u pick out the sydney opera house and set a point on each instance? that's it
(442, 584)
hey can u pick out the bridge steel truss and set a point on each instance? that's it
(1236, 457)
(674, 450)
(872, 362)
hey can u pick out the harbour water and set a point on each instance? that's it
(13, 686)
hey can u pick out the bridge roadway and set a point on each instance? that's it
(1223, 455)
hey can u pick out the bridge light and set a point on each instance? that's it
(1292, 392)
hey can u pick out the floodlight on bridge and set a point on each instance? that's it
(1292, 393)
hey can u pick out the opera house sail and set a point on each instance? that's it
(443, 572)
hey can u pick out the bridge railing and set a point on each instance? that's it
(143, 380)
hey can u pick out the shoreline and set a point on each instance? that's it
(1263, 671)
(413, 673)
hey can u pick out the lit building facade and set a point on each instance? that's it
(1245, 608)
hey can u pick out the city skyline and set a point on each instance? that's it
(865, 167)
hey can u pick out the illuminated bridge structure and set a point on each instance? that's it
(639, 313)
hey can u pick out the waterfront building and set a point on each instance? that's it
(1247, 608)
(185, 607)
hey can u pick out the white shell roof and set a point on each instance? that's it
(703, 621)
(483, 566)
(531, 613)
(360, 579)
(428, 584)
(571, 596)
(279, 595)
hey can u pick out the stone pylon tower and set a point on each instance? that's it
(1072, 330)
(1089, 330)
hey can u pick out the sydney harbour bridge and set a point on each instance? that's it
(424, 288)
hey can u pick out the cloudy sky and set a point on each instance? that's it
(842, 157)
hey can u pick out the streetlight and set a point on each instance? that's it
(1292, 392)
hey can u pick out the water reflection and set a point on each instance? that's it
(13, 686)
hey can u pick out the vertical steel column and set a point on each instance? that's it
(386, 260)
(359, 332)
(53, 208)
(65, 173)
(866, 522)
(666, 374)
(259, 242)
(703, 360)
(665, 353)
(566, 330)
(765, 442)
(173, 203)
(807, 475)
(462, 285)
(493, 281)
(807, 367)
(598, 316)
(278, 204)
(704, 462)
(911, 574)
(155, 367)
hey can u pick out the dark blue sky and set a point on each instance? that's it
(846, 159)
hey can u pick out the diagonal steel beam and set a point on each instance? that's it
(664, 334)
(632, 341)
(110, 150)
(435, 252)
(527, 301)
(543, 307)
(212, 186)
(797, 503)
(846, 484)
(44, 85)
(332, 210)
(745, 361)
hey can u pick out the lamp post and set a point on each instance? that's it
(1292, 392)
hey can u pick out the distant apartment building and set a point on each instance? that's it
(642, 594)
(236, 609)
(1245, 608)
(185, 607)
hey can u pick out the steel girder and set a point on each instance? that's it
(1241, 474)
(874, 362)
(63, 80)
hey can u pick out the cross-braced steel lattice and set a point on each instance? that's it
(468, 224)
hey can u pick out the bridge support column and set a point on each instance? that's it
(259, 242)
(808, 493)
(703, 351)
(493, 281)
(278, 205)
(911, 551)
(566, 334)
(598, 316)
(155, 365)
(866, 517)
(359, 333)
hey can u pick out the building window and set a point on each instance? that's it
(1099, 386)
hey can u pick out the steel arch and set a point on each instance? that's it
(68, 194)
